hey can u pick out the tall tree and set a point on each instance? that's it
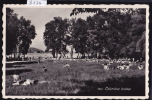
(19, 33)
(25, 35)
(80, 36)
(69, 37)
(11, 30)
(54, 35)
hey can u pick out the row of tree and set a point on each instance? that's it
(113, 32)
(19, 33)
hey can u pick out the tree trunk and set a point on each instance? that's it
(53, 53)
(56, 54)
(60, 55)
(64, 55)
(83, 55)
(96, 54)
(71, 54)
(17, 51)
(14, 55)
(78, 55)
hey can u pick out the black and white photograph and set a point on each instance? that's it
(76, 51)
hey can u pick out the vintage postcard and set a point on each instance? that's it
(76, 51)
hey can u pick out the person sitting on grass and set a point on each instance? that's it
(122, 67)
(66, 65)
(140, 67)
(44, 69)
(119, 66)
(105, 66)
(28, 82)
(16, 79)
(127, 67)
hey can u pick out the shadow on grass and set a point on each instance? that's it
(26, 62)
(18, 64)
(17, 71)
(136, 84)
(14, 66)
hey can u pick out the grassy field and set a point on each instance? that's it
(82, 78)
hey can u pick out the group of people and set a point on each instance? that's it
(18, 81)
(107, 64)
(123, 64)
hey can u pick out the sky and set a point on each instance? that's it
(40, 16)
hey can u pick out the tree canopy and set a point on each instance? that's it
(116, 32)
(19, 33)
(54, 35)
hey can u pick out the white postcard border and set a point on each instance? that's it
(78, 6)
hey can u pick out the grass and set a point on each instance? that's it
(82, 78)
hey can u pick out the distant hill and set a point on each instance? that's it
(34, 50)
